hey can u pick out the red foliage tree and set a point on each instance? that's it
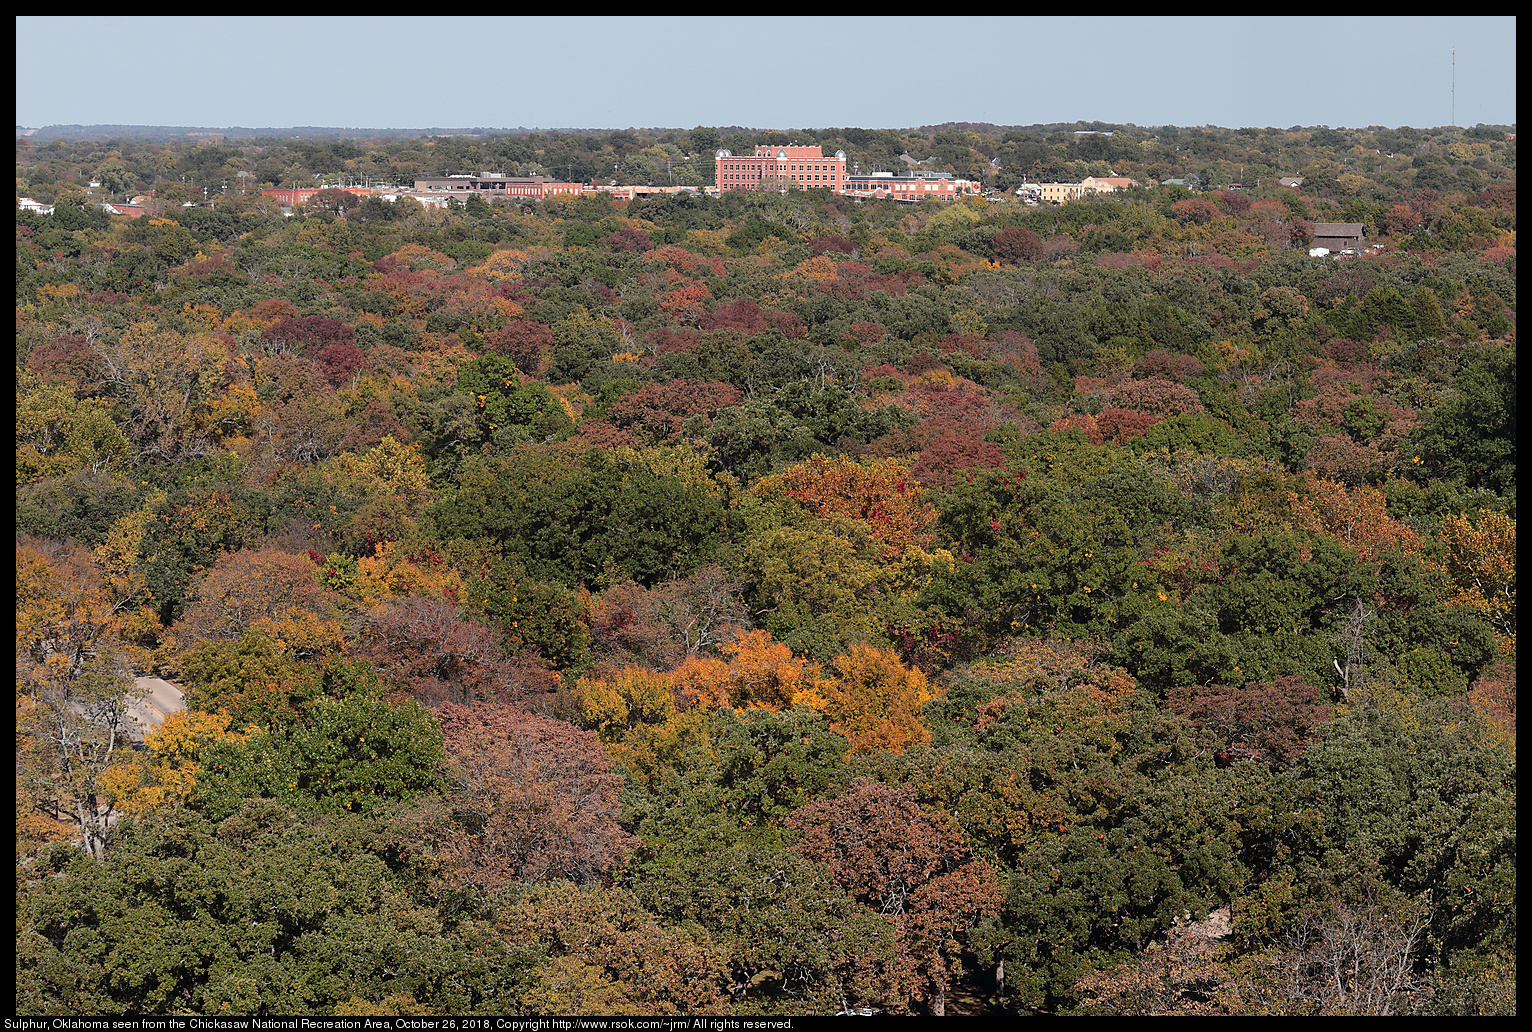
(952, 452)
(1121, 425)
(666, 340)
(440, 655)
(66, 359)
(1402, 220)
(300, 335)
(878, 494)
(1160, 364)
(1198, 211)
(687, 303)
(1157, 397)
(249, 585)
(1017, 244)
(339, 362)
(1270, 722)
(661, 409)
(535, 799)
(866, 334)
(523, 341)
(626, 240)
(739, 314)
(790, 325)
(909, 864)
(832, 244)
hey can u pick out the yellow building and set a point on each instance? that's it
(1059, 193)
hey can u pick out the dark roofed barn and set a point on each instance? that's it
(1337, 235)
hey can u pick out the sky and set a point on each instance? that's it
(412, 72)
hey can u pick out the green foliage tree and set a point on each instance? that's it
(263, 913)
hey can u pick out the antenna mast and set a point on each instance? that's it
(1454, 86)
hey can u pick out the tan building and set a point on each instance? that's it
(1108, 184)
(1059, 193)
(489, 186)
(911, 188)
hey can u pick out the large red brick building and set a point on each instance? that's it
(808, 168)
(773, 168)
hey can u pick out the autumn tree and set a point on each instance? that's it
(438, 654)
(909, 865)
(874, 700)
(760, 672)
(608, 955)
(1016, 244)
(525, 342)
(836, 552)
(1269, 722)
(1482, 563)
(532, 799)
(276, 591)
(660, 627)
(73, 678)
(164, 774)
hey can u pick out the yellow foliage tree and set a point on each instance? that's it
(874, 700)
(167, 775)
(390, 572)
(502, 266)
(634, 696)
(1482, 563)
(418, 257)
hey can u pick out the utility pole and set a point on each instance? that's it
(1454, 86)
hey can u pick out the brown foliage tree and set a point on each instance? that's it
(1271, 722)
(536, 799)
(608, 955)
(440, 655)
(1017, 244)
(908, 864)
(243, 587)
(523, 341)
(1157, 397)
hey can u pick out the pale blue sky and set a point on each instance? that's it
(778, 73)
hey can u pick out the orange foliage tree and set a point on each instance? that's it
(1357, 516)
(880, 494)
(760, 673)
(874, 700)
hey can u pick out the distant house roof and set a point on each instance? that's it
(1292, 181)
(1337, 236)
(1338, 229)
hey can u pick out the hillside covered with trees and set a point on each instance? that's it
(771, 603)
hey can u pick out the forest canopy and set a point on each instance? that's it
(770, 603)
